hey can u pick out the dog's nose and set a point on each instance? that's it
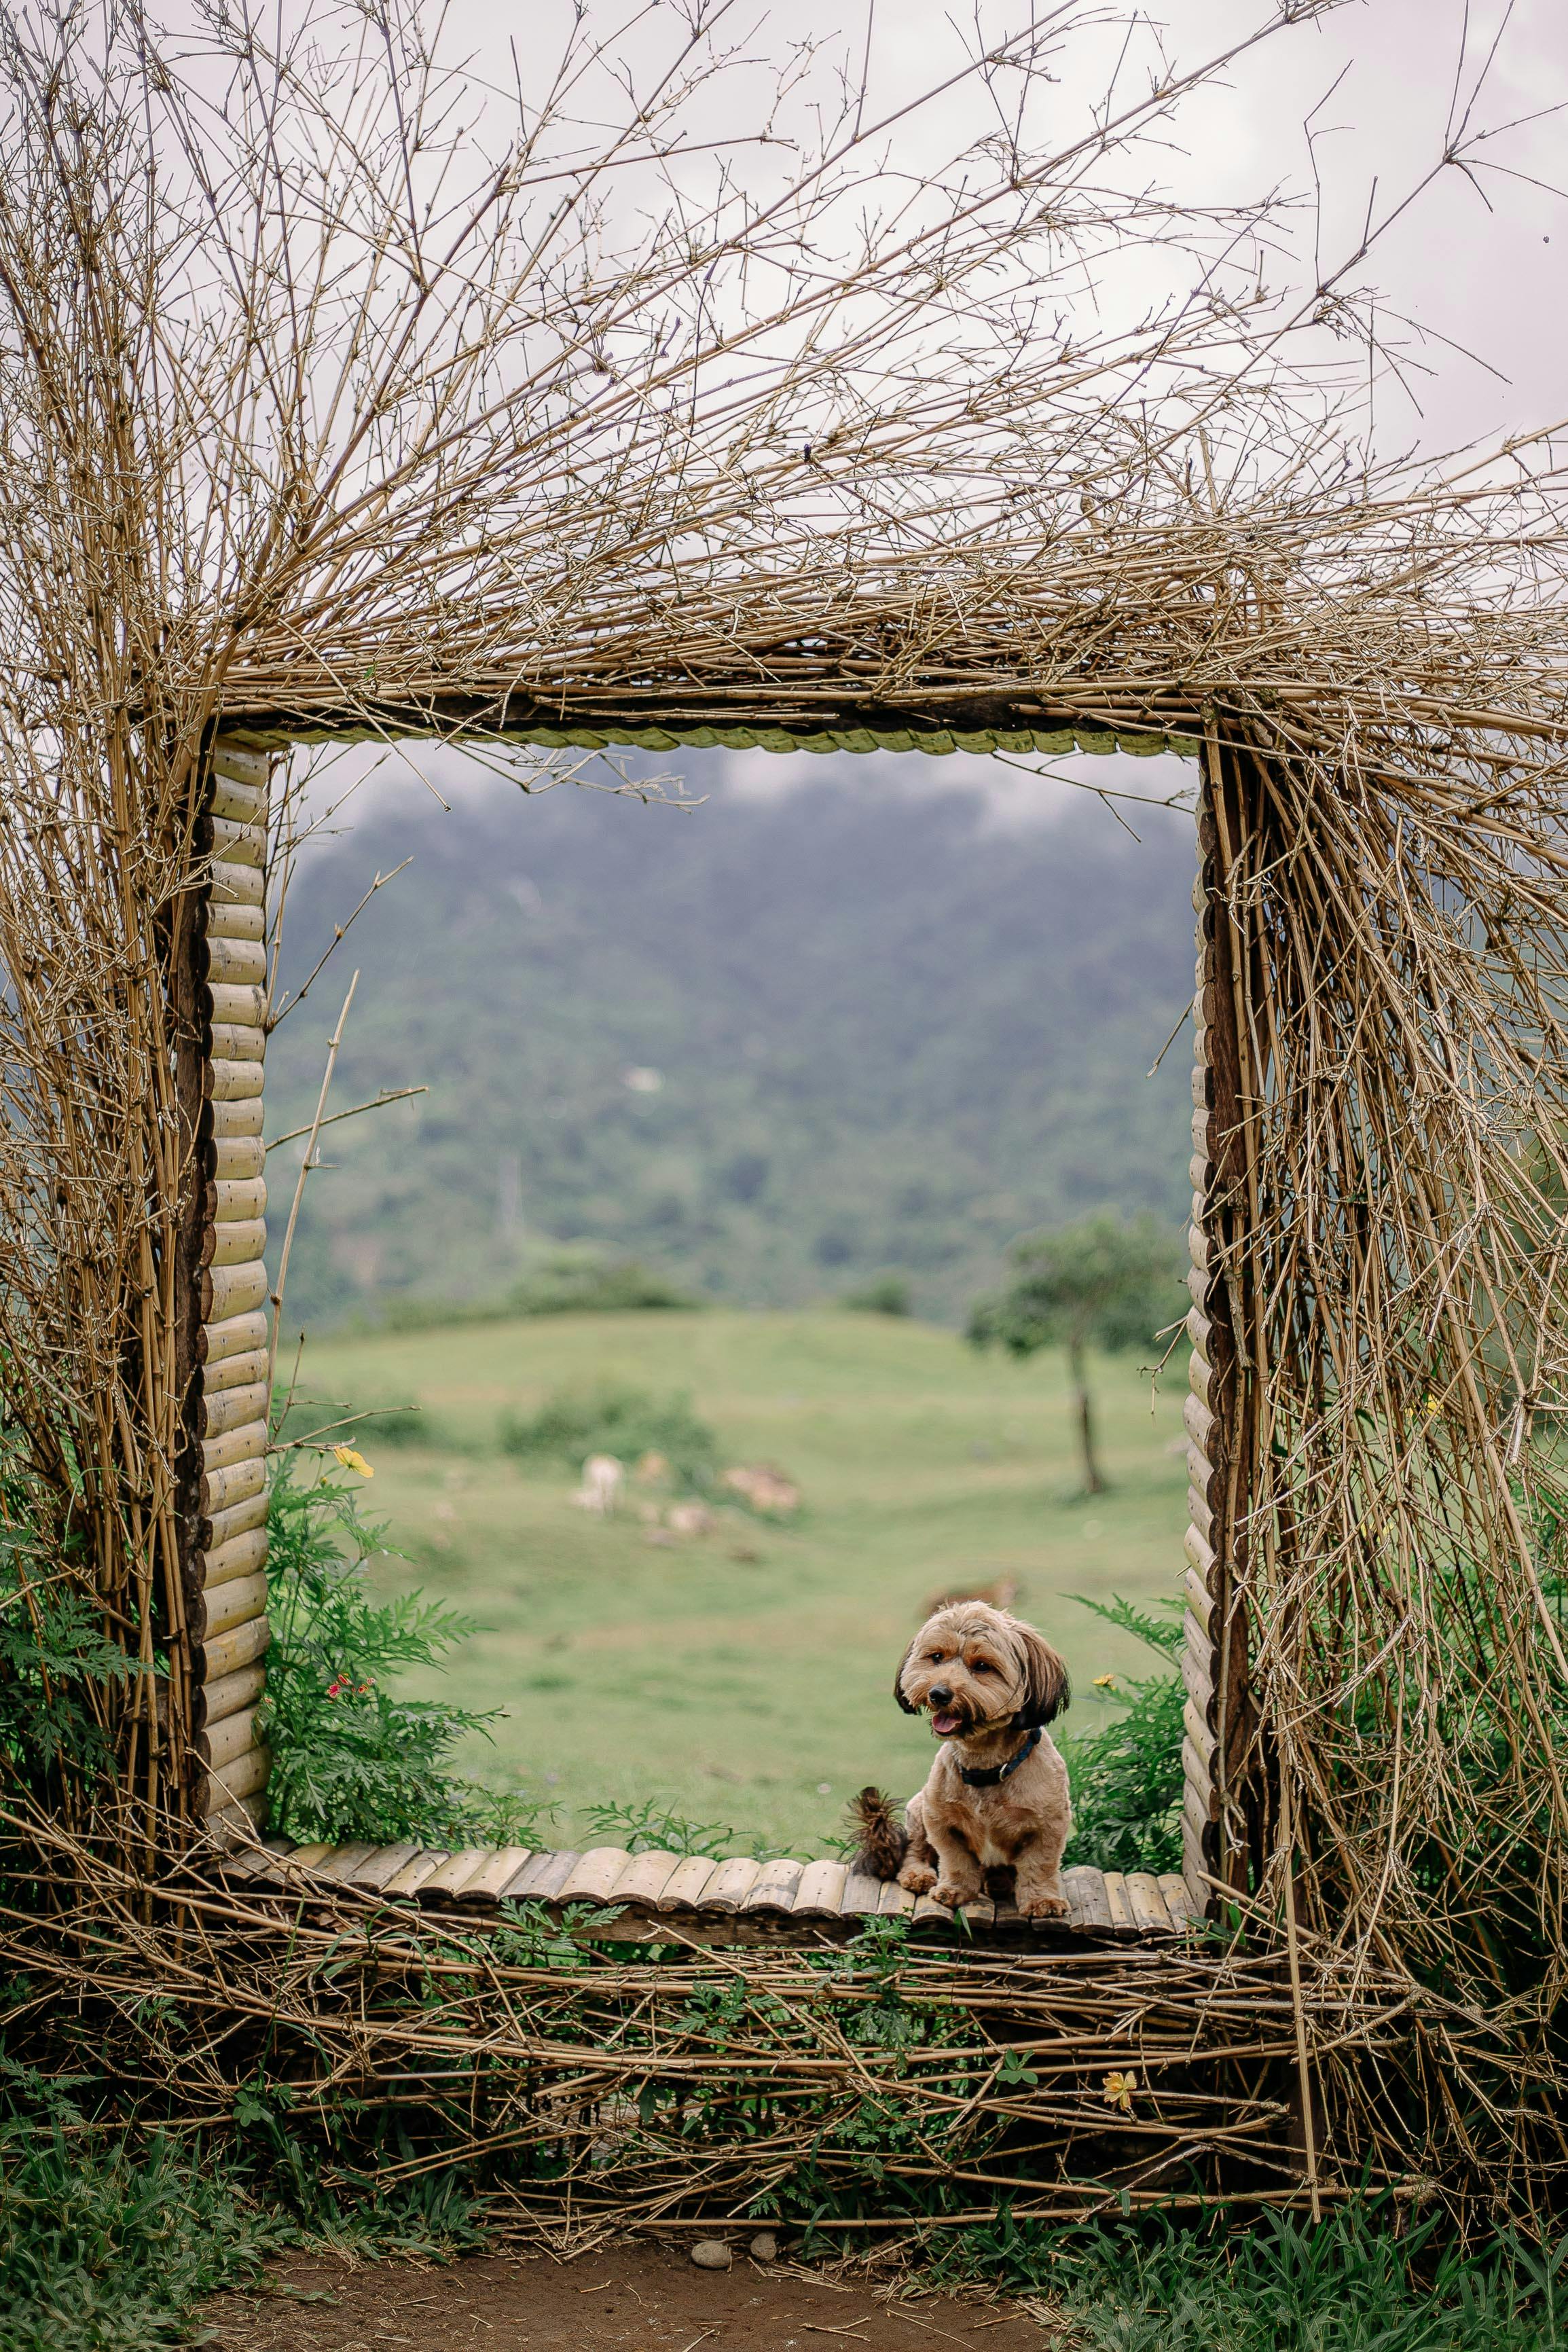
(939, 1693)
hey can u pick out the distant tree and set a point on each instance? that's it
(1102, 1284)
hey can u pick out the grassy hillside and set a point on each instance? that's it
(747, 1676)
(864, 1028)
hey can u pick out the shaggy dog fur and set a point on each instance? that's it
(988, 1680)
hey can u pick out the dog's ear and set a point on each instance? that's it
(1046, 1689)
(898, 1680)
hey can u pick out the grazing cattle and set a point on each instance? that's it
(603, 1483)
(690, 1519)
(764, 1488)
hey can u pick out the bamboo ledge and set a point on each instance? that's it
(659, 1895)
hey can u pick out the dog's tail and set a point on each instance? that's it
(883, 1840)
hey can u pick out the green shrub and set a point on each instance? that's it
(1127, 1777)
(888, 1294)
(351, 1760)
(573, 1279)
(625, 1422)
(583, 1281)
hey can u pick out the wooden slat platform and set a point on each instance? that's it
(661, 1896)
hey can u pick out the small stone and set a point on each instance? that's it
(710, 2254)
(764, 2247)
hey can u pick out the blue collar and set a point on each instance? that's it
(990, 1775)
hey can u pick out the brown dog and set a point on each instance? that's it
(995, 1806)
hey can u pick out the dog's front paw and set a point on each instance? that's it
(945, 1892)
(1041, 1907)
(916, 1878)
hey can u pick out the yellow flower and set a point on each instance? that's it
(1432, 1405)
(1119, 2090)
(352, 1460)
(1105, 1682)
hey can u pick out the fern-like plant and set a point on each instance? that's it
(56, 1666)
(1127, 1777)
(351, 1759)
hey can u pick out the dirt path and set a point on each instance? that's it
(648, 2298)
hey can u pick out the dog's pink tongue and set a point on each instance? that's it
(944, 1722)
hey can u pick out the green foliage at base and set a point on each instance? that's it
(626, 1422)
(115, 2245)
(101, 2246)
(350, 1760)
(109, 2242)
(1357, 2281)
(1127, 1777)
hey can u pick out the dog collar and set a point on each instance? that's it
(988, 1776)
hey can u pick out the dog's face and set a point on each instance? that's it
(976, 1668)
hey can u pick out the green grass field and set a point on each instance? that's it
(746, 1676)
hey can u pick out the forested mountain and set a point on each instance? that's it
(771, 1047)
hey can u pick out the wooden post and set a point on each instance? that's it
(1220, 1821)
(226, 1394)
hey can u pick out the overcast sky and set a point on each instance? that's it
(1479, 260)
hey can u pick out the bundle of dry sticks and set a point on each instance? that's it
(874, 2090)
(333, 403)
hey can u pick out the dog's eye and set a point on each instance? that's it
(934, 1658)
(982, 1666)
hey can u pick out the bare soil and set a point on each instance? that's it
(652, 2298)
